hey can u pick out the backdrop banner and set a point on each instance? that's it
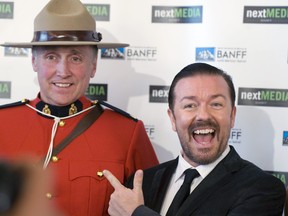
(247, 39)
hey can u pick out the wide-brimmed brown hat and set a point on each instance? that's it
(65, 22)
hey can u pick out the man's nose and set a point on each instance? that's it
(202, 112)
(63, 68)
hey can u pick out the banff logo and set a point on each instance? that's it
(5, 89)
(269, 15)
(172, 14)
(141, 53)
(205, 54)
(263, 97)
(221, 54)
(150, 130)
(285, 138)
(235, 136)
(15, 51)
(100, 12)
(6, 10)
(113, 53)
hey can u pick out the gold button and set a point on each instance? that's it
(55, 159)
(61, 123)
(99, 173)
(49, 196)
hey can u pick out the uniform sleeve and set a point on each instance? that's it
(141, 154)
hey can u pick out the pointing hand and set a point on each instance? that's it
(124, 201)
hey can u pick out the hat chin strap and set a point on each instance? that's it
(44, 36)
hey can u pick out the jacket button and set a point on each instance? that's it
(49, 196)
(100, 174)
(55, 159)
(61, 123)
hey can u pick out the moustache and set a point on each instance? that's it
(203, 124)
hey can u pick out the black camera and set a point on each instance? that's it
(11, 182)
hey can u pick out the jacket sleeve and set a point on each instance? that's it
(265, 197)
(144, 211)
(141, 154)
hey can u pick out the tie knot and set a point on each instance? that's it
(190, 174)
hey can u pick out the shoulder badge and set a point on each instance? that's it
(18, 103)
(116, 109)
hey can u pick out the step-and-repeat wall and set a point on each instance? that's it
(246, 38)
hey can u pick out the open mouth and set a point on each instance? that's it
(204, 136)
(62, 85)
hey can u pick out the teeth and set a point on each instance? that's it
(204, 131)
(62, 85)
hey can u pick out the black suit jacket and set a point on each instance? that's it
(234, 187)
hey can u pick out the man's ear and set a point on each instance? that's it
(233, 116)
(172, 119)
(34, 63)
(94, 67)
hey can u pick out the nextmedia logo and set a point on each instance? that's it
(270, 15)
(263, 97)
(100, 12)
(97, 91)
(169, 14)
(6, 10)
(5, 89)
(283, 176)
(158, 94)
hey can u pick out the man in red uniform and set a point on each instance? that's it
(64, 55)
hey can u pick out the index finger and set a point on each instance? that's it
(112, 179)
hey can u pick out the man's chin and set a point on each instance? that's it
(204, 156)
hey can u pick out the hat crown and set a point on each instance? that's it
(64, 15)
(65, 23)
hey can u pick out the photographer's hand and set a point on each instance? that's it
(32, 200)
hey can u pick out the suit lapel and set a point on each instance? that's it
(216, 179)
(160, 184)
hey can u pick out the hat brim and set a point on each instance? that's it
(65, 43)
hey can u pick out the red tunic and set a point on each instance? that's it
(114, 142)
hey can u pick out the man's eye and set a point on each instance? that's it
(50, 57)
(76, 59)
(217, 105)
(190, 106)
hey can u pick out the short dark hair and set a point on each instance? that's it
(199, 69)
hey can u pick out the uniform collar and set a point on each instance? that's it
(60, 111)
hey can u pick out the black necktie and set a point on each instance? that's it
(183, 192)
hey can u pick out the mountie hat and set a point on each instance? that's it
(65, 22)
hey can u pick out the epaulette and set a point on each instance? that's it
(122, 112)
(18, 103)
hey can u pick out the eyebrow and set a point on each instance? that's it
(75, 51)
(195, 97)
(54, 50)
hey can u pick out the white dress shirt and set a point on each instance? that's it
(178, 178)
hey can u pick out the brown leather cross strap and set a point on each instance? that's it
(83, 124)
